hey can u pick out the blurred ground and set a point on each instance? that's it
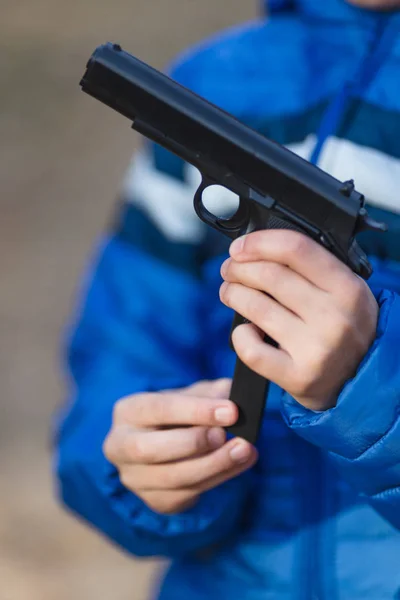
(61, 158)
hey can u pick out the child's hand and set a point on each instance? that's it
(321, 314)
(170, 447)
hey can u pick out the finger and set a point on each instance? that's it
(209, 484)
(176, 501)
(190, 473)
(218, 388)
(284, 285)
(126, 445)
(159, 410)
(210, 389)
(298, 252)
(272, 363)
(275, 320)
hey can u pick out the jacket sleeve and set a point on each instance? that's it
(140, 330)
(362, 432)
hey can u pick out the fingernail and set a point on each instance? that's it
(223, 415)
(216, 437)
(224, 267)
(240, 453)
(237, 245)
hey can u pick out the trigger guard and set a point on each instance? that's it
(201, 210)
(231, 227)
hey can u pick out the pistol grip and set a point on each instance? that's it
(249, 392)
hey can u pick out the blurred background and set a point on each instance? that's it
(62, 156)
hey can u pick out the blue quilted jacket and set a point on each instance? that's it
(318, 517)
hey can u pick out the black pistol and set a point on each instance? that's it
(276, 188)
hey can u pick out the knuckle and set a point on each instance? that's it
(113, 445)
(120, 410)
(265, 315)
(248, 354)
(297, 244)
(130, 408)
(229, 268)
(126, 479)
(108, 448)
(271, 273)
(256, 308)
(261, 311)
(134, 449)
